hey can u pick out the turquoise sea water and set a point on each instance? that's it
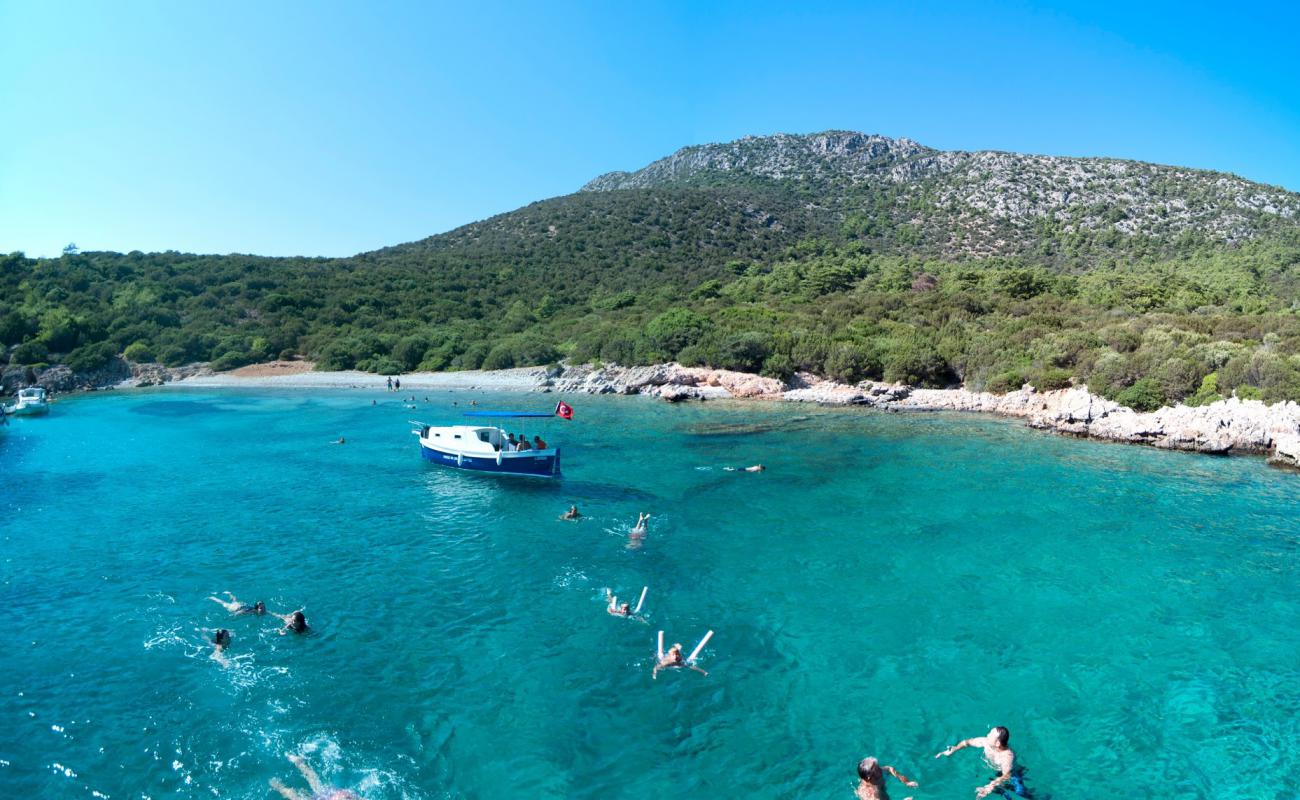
(889, 585)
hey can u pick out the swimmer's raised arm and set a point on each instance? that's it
(901, 777)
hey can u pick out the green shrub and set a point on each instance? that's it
(1004, 382)
(1247, 392)
(90, 357)
(1207, 393)
(1051, 379)
(138, 353)
(29, 353)
(1144, 395)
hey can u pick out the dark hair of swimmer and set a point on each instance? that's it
(869, 769)
(259, 607)
(626, 608)
(222, 638)
(1003, 735)
(297, 622)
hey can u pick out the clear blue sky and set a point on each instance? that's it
(328, 129)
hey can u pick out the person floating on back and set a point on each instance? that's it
(235, 607)
(294, 622)
(572, 513)
(754, 468)
(871, 780)
(998, 756)
(319, 791)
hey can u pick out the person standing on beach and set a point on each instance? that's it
(871, 780)
(390, 383)
(998, 756)
(397, 384)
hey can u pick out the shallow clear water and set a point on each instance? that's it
(889, 585)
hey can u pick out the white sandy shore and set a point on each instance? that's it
(527, 379)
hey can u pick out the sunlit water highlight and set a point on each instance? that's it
(889, 585)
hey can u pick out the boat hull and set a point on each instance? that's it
(545, 465)
(28, 410)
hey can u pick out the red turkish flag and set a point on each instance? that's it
(563, 410)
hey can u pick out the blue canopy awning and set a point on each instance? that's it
(509, 413)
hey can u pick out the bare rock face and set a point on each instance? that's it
(1286, 451)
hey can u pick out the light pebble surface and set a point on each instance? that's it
(523, 380)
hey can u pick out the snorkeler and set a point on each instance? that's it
(572, 513)
(673, 659)
(871, 783)
(998, 756)
(754, 468)
(293, 621)
(235, 607)
(220, 641)
(319, 791)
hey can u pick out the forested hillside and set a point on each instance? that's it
(841, 254)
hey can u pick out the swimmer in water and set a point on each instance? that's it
(617, 609)
(572, 513)
(997, 755)
(871, 780)
(293, 621)
(235, 607)
(339, 440)
(220, 641)
(641, 521)
(319, 791)
(755, 468)
(673, 659)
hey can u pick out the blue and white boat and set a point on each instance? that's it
(486, 448)
(31, 402)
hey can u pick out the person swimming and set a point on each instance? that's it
(319, 791)
(339, 440)
(998, 756)
(572, 513)
(235, 607)
(754, 468)
(871, 780)
(220, 641)
(293, 621)
(673, 659)
(637, 537)
(617, 609)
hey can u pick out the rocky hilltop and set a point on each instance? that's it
(979, 203)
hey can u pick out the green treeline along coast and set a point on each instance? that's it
(917, 276)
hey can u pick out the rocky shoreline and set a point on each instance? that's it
(1224, 427)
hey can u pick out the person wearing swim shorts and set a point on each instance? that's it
(997, 755)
